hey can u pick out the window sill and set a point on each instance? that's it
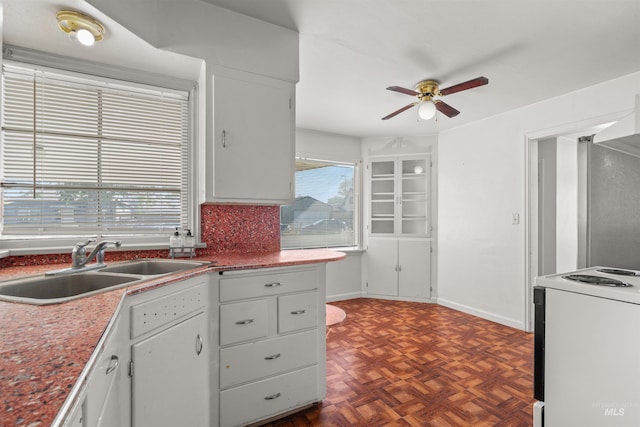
(29, 247)
(349, 250)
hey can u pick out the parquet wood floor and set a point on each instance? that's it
(394, 363)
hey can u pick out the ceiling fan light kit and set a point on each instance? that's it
(426, 90)
(80, 27)
(426, 110)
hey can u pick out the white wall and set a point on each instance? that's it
(318, 145)
(481, 268)
(343, 277)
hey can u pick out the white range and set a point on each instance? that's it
(587, 348)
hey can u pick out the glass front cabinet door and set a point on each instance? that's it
(400, 196)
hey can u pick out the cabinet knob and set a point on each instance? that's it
(198, 345)
(299, 312)
(244, 322)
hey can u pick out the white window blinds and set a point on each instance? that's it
(89, 156)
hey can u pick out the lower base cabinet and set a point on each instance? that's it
(170, 386)
(108, 400)
(255, 401)
(399, 268)
(170, 358)
(272, 342)
(192, 353)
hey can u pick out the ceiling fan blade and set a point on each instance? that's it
(403, 90)
(480, 81)
(395, 113)
(446, 109)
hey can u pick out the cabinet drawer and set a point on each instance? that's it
(241, 287)
(248, 362)
(244, 321)
(297, 311)
(160, 311)
(259, 400)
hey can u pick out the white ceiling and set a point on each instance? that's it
(351, 50)
(530, 50)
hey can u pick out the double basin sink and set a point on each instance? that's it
(55, 289)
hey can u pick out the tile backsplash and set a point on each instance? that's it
(240, 228)
(225, 228)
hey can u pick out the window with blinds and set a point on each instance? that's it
(324, 212)
(81, 155)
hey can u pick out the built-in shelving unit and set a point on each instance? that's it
(400, 196)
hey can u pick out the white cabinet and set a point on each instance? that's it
(170, 355)
(272, 342)
(104, 391)
(398, 257)
(108, 401)
(399, 196)
(254, 140)
(399, 268)
(76, 419)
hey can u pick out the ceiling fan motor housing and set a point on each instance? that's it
(428, 89)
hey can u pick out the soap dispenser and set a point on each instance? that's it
(176, 241)
(189, 240)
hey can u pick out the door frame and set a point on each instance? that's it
(588, 127)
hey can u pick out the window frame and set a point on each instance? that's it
(48, 244)
(357, 201)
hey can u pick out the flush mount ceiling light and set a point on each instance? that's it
(80, 27)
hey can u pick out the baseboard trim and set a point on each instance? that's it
(341, 297)
(483, 314)
(394, 298)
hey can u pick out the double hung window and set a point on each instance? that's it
(82, 155)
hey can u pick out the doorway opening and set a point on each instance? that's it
(556, 218)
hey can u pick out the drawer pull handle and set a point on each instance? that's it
(198, 345)
(273, 396)
(272, 284)
(244, 322)
(272, 357)
(113, 364)
(299, 312)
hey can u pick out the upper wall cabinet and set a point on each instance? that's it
(253, 139)
(400, 193)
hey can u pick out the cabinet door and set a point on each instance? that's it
(382, 260)
(253, 142)
(400, 196)
(413, 217)
(383, 197)
(415, 268)
(108, 391)
(170, 376)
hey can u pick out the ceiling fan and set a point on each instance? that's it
(426, 90)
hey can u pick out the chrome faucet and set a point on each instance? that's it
(78, 254)
(79, 260)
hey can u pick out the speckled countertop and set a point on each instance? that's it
(43, 349)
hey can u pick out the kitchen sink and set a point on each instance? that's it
(53, 289)
(56, 289)
(152, 267)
